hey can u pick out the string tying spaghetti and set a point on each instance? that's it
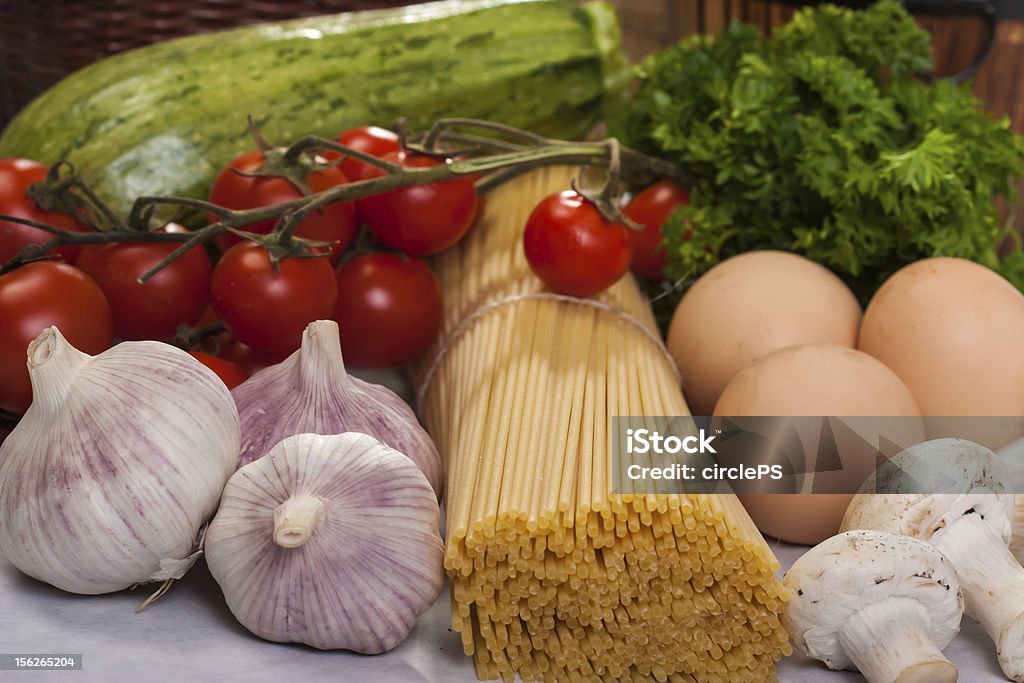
(489, 306)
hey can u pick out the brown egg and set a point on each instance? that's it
(821, 380)
(748, 306)
(952, 330)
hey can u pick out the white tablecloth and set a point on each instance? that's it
(189, 635)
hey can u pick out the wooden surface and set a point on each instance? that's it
(1000, 82)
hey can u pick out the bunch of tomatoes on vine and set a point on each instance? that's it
(240, 300)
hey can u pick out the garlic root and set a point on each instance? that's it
(296, 519)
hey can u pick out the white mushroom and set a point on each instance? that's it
(1012, 456)
(881, 603)
(952, 493)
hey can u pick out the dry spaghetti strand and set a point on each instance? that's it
(552, 576)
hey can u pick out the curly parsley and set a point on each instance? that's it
(822, 141)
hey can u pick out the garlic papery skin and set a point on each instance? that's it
(116, 465)
(310, 392)
(332, 541)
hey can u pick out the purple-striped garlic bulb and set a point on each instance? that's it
(117, 464)
(310, 392)
(331, 541)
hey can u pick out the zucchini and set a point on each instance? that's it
(163, 119)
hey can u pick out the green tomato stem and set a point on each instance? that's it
(518, 151)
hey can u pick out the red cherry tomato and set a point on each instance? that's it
(225, 346)
(389, 310)
(35, 296)
(421, 219)
(16, 175)
(572, 248)
(229, 373)
(247, 358)
(333, 223)
(369, 139)
(208, 317)
(269, 309)
(176, 295)
(651, 208)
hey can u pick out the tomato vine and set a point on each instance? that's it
(469, 147)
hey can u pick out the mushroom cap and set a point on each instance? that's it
(1012, 456)
(943, 466)
(847, 572)
(930, 485)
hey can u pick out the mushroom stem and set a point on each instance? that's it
(993, 586)
(889, 642)
(296, 519)
(1017, 539)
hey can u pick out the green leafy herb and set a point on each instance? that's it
(822, 140)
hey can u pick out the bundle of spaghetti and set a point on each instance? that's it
(552, 576)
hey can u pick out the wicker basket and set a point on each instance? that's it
(43, 40)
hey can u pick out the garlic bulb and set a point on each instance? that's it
(310, 391)
(115, 467)
(332, 541)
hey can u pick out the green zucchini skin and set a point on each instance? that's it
(163, 119)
